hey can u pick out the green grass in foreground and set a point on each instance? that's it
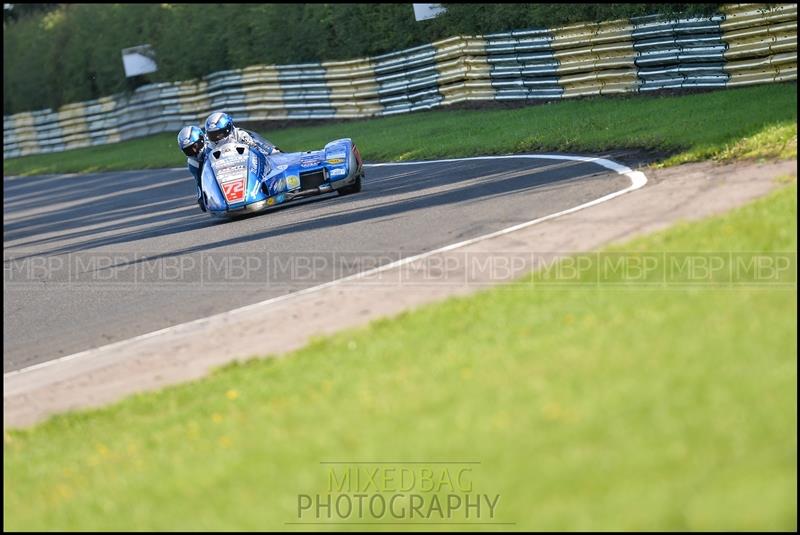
(748, 122)
(588, 406)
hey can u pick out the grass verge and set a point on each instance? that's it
(752, 122)
(588, 406)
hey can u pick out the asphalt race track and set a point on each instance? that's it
(93, 259)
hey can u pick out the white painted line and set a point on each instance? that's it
(638, 179)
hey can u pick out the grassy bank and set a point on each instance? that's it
(747, 122)
(587, 406)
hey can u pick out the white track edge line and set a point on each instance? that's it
(637, 178)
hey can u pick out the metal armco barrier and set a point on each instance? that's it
(745, 44)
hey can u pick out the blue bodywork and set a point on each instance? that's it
(237, 178)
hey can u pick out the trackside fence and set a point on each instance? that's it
(744, 44)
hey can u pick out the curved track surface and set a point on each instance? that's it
(92, 259)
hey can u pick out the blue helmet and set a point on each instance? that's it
(191, 141)
(218, 126)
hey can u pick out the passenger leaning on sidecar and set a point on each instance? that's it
(192, 141)
(220, 128)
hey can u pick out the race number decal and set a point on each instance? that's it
(234, 191)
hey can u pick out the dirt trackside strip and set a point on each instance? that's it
(679, 193)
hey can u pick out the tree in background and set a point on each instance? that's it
(15, 12)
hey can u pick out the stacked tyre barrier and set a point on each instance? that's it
(744, 44)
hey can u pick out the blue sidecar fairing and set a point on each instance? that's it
(238, 179)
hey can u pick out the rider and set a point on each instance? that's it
(220, 128)
(192, 141)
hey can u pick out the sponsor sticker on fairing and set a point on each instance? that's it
(292, 181)
(230, 172)
(336, 158)
(338, 172)
(309, 163)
